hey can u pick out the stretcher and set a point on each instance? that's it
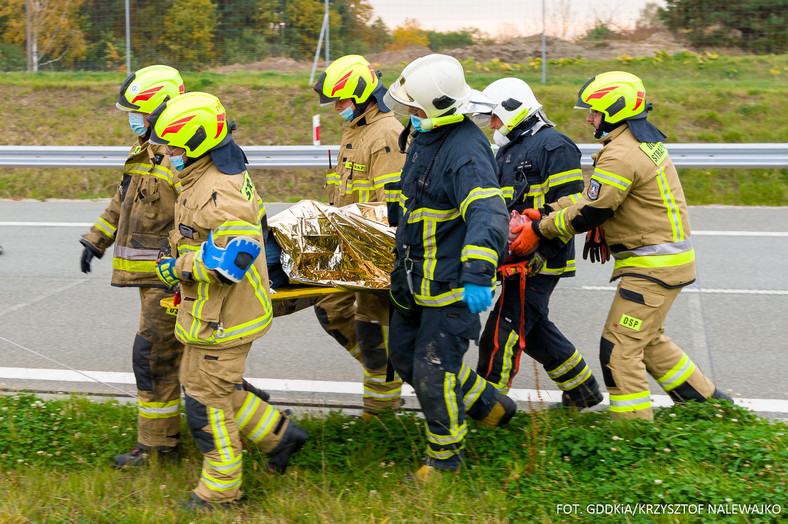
(280, 294)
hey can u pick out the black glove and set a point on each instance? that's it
(87, 255)
(596, 246)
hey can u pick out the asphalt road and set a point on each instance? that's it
(732, 323)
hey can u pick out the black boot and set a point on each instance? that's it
(581, 397)
(195, 503)
(292, 441)
(255, 391)
(501, 413)
(140, 456)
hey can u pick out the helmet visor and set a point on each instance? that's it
(398, 100)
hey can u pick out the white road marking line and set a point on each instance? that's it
(47, 224)
(741, 233)
(692, 289)
(348, 388)
(697, 233)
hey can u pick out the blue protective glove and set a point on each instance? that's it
(165, 269)
(478, 298)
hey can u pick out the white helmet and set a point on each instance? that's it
(515, 102)
(433, 83)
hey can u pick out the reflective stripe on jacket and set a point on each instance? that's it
(648, 228)
(457, 224)
(138, 219)
(212, 312)
(368, 159)
(543, 167)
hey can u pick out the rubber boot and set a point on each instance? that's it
(264, 395)
(293, 440)
(580, 397)
(426, 474)
(139, 456)
(195, 503)
(719, 395)
(501, 413)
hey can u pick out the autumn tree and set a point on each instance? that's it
(408, 34)
(188, 29)
(753, 25)
(54, 30)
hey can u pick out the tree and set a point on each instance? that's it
(753, 25)
(189, 27)
(54, 30)
(453, 39)
(408, 34)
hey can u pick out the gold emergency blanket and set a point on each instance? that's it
(350, 246)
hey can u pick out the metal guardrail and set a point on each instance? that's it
(767, 156)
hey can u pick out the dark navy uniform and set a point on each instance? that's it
(539, 166)
(452, 224)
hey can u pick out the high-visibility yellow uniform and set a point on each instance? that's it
(636, 195)
(136, 222)
(217, 322)
(368, 159)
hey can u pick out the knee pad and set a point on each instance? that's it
(141, 364)
(322, 317)
(197, 419)
(371, 343)
(605, 350)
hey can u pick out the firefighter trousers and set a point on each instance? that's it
(359, 322)
(634, 344)
(156, 358)
(525, 313)
(428, 356)
(219, 411)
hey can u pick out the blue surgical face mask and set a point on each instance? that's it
(601, 134)
(177, 162)
(347, 113)
(416, 123)
(137, 123)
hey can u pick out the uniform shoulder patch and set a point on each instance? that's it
(247, 189)
(656, 151)
(593, 189)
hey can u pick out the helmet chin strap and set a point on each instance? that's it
(605, 127)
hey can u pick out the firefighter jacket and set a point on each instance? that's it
(636, 194)
(214, 312)
(538, 168)
(368, 159)
(449, 212)
(139, 217)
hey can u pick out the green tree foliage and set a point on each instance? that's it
(55, 28)
(189, 27)
(753, 25)
(408, 34)
(453, 39)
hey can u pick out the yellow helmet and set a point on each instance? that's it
(349, 77)
(617, 94)
(194, 121)
(145, 89)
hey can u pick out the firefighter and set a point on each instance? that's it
(635, 195)
(536, 165)
(137, 221)
(451, 232)
(217, 258)
(369, 158)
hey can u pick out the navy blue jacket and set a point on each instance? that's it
(451, 218)
(538, 169)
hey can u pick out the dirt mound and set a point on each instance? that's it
(517, 50)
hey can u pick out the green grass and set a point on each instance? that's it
(697, 98)
(55, 455)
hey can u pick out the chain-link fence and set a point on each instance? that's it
(121, 35)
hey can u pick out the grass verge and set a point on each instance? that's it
(55, 455)
(696, 97)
